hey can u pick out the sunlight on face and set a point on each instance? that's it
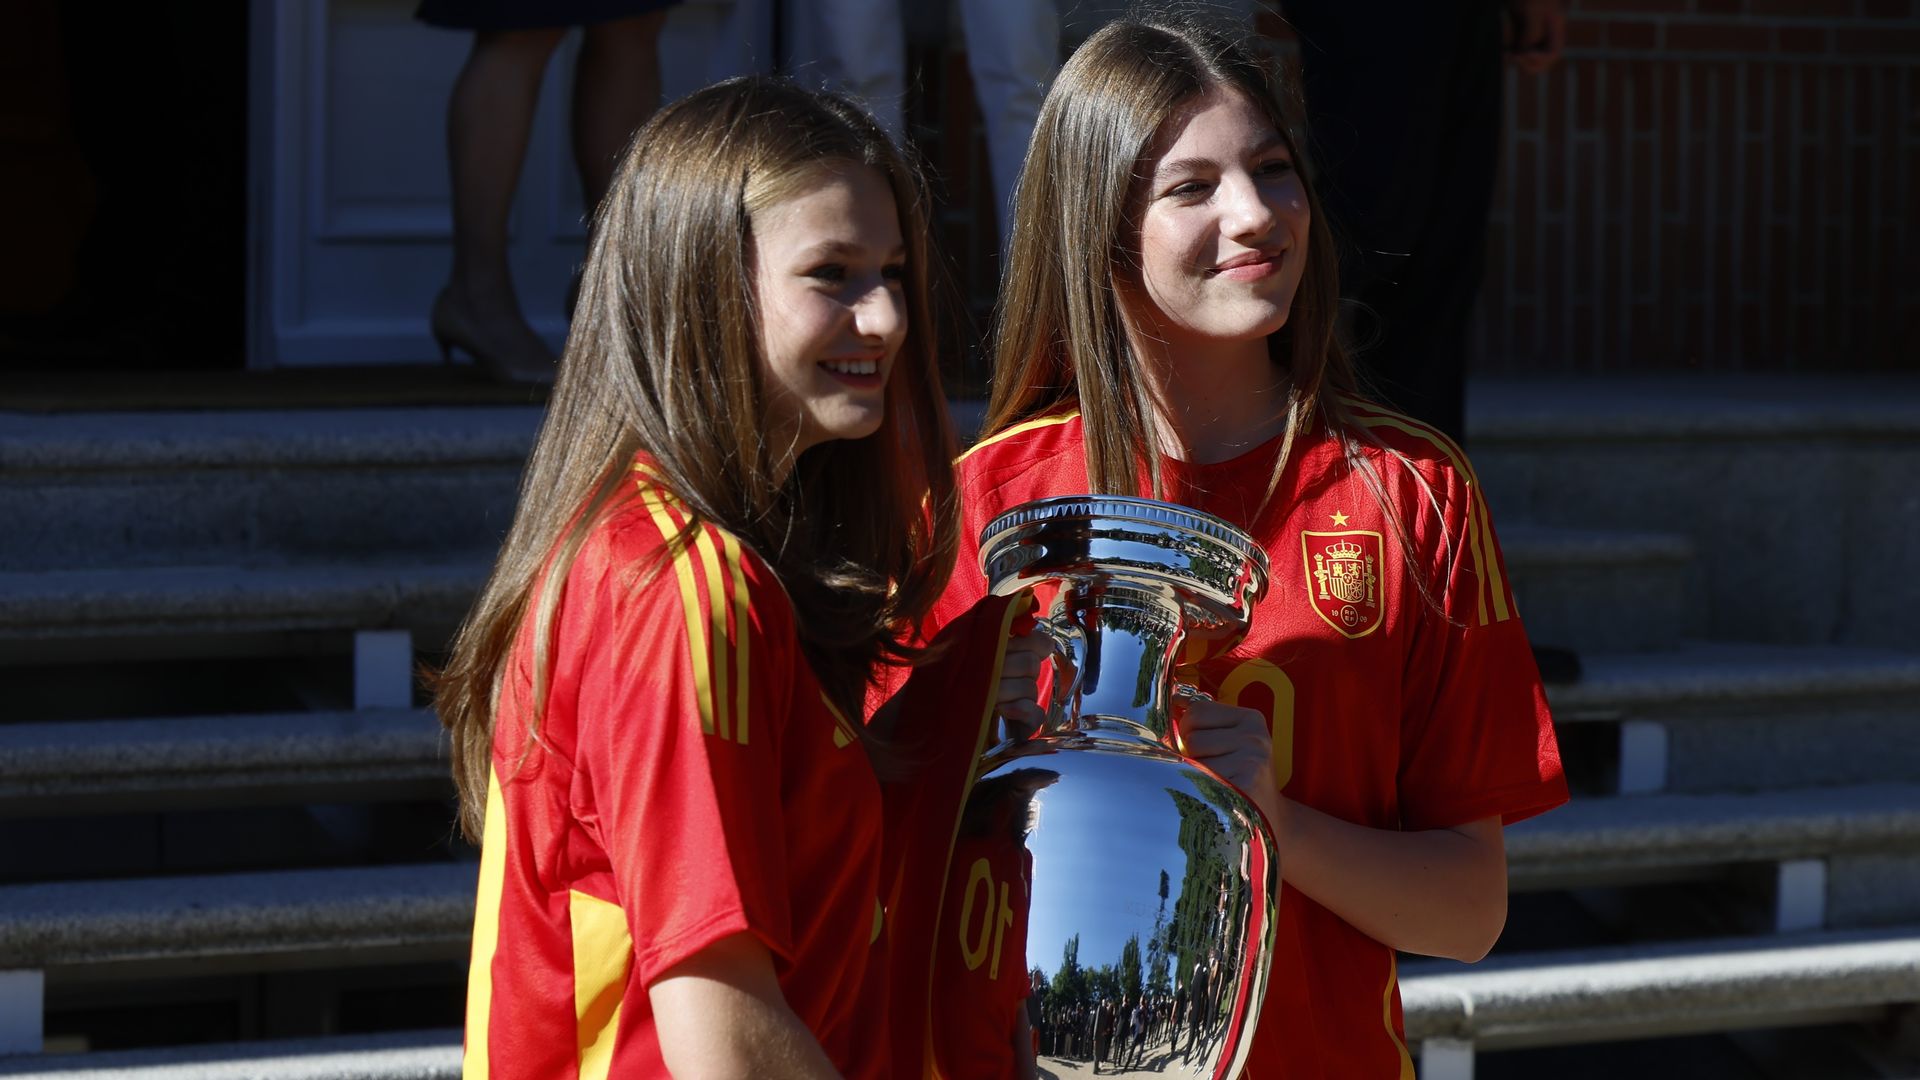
(829, 275)
(1223, 225)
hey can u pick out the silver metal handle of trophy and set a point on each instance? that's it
(1069, 657)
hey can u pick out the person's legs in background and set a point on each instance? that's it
(855, 47)
(616, 86)
(1013, 49)
(488, 120)
(1404, 115)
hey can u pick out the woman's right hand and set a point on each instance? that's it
(1018, 699)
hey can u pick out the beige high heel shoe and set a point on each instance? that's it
(520, 359)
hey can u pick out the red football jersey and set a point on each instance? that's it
(980, 982)
(687, 781)
(1401, 691)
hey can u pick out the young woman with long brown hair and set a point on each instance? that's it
(1167, 328)
(655, 702)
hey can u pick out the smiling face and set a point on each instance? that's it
(1223, 226)
(829, 269)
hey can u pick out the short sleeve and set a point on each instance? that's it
(1477, 739)
(682, 703)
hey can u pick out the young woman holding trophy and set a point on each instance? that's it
(1167, 329)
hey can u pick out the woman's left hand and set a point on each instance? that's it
(1233, 742)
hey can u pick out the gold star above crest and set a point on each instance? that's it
(1338, 518)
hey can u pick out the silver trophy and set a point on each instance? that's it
(1096, 860)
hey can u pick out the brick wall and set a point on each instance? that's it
(1719, 185)
(1712, 185)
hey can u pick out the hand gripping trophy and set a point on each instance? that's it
(1130, 889)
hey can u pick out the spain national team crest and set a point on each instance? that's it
(1343, 578)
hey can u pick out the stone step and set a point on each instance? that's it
(115, 766)
(238, 922)
(410, 1055)
(153, 488)
(1797, 492)
(1601, 591)
(1644, 991)
(163, 608)
(1724, 717)
(1816, 857)
(1451, 1010)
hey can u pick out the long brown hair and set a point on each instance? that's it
(664, 358)
(1060, 329)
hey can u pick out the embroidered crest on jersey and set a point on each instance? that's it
(1343, 578)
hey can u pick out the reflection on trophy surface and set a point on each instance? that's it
(1117, 892)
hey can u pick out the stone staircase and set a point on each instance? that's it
(227, 802)
(228, 812)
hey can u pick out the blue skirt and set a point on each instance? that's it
(530, 14)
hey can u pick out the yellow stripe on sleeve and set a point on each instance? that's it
(731, 544)
(1023, 426)
(1484, 534)
(1479, 538)
(476, 1063)
(602, 960)
(717, 617)
(690, 603)
(1386, 1016)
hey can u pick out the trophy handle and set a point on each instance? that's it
(1069, 652)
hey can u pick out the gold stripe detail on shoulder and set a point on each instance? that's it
(844, 733)
(1386, 1016)
(1023, 426)
(690, 604)
(1486, 563)
(717, 617)
(476, 1063)
(731, 544)
(602, 960)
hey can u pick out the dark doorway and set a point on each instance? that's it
(123, 182)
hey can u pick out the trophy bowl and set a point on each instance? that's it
(1097, 872)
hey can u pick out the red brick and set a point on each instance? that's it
(1633, 35)
(1645, 99)
(1585, 84)
(1526, 212)
(1719, 37)
(1698, 98)
(1806, 40)
(1756, 92)
(1586, 34)
(1818, 9)
(1833, 135)
(1583, 206)
(1524, 335)
(1554, 134)
(1889, 40)
(1643, 224)
(1659, 6)
(1582, 337)
(1868, 114)
(1526, 101)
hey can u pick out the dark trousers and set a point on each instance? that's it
(1403, 107)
